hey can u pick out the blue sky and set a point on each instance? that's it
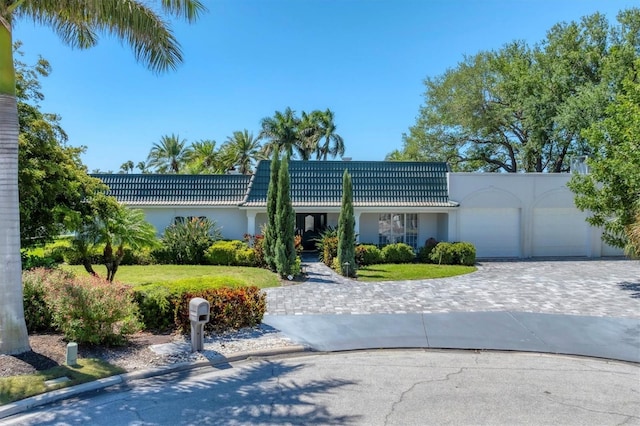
(364, 59)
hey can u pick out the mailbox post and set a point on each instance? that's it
(198, 316)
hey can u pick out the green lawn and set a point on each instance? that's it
(410, 271)
(15, 388)
(139, 275)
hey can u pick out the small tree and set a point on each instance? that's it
(346, 230)
(285, 252)
(270, 233)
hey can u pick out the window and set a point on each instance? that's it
(398, 228)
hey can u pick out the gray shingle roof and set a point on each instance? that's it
(375, 183)
(187, 190)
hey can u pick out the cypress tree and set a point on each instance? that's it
(285, 251)
(270, 232)
(346, 229)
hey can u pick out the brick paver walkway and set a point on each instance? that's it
(608, 287)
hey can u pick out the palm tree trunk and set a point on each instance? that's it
(13, 328)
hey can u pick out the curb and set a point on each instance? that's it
(26, 404)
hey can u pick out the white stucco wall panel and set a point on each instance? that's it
(427, 227)
(231, 221)
(368, 228)
(560, 232)
(494, 232)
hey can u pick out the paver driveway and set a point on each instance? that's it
(608, 287)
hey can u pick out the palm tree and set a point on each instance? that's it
(333, 144)
(126, 167)
(78, 23)
(143, 167)
(283, 132)
(202, 157)
(243, 150)
(168, 155)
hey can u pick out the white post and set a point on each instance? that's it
(251, 222)
(357, 225)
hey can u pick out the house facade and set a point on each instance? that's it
(503, 215)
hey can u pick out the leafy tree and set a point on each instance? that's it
(78, 23)
(270, 231)
(346, 230)
(243, 150)
(610, 192)
(285, 250)
(168, 155)
(53, 183)
(523, 108)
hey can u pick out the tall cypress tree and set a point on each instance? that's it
(271, 233)
(346, 229)
(285, 224)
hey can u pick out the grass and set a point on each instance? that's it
(19, 387)
(139, 275)
(410, 271)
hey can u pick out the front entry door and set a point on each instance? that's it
(309, 226)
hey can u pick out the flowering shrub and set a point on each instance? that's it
(368, 254)
(92, 310)
(35, 285)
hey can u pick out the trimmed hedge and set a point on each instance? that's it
(231, 308)
(368, 254)
(230, 253)
(398, 253)
(461, 253)
(158, 302)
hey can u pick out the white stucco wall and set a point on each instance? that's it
(231, 221)
(521, 215)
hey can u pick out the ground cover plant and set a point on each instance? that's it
(410, 271)
(15, 388)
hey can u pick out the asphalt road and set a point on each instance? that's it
(384, 387)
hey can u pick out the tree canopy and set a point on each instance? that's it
(53, 183)
(523, 108)
(610, 191)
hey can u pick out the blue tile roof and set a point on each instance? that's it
(375, 183)
(171, 189)
(313, 184)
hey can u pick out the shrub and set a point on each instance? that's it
(231, 308)
(443, 254)
(92, 310)
(398, 253)
(158, 302)
(368, 254)
(256, 242)
(465, 253)
(234, 253)
(185, 243)
(31, 261)
(327, 246)
(425, 251)
(36, 284)
(137, 257)
(156, 305)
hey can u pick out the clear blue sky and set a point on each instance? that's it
(364, 59)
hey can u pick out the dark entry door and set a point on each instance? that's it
(309, 226)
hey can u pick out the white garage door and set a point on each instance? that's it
(559, 232)
(494, 232)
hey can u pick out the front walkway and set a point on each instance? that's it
(605, 288)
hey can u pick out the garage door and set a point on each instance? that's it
(559, 232)
(494, 232)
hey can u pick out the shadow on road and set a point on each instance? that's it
(261, 393)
